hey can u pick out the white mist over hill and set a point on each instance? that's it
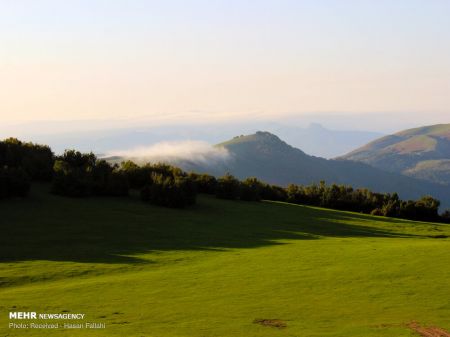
(170, 152)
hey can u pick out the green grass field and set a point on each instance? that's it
(213, 269)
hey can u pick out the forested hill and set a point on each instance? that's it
(421, 153)
(267, 157)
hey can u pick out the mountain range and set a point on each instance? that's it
(99, 137)
(267, 157)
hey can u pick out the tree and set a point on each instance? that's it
(272, 192)
(174, 192)
(205, 183)
(36, 160)
(79, 175)
(251, 190)
(14, 182)
(228, 187)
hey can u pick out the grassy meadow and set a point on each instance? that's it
(213, 269)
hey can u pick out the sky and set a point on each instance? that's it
(222, 60)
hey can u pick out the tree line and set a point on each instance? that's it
(20, 163)
(76, 174)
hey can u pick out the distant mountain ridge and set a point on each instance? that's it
(314, 138)
(422, 153)
(267, 157)
(320, 141)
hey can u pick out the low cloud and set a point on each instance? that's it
(173, 152)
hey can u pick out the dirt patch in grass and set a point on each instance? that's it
(275, 323)
(428, 331)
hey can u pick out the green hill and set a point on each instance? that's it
(221, 268)
(267, 157)
(421, 153)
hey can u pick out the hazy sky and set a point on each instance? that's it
(209, 60)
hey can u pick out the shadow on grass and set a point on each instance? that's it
(117, 230)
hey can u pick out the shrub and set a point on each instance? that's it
(377, 211)
(139, 176)
(14, 182)
(81, 175)
(362, 200)
(272, 192)
(426, 208)
(251, 189)
(205, 183)
(136, 176)
(36, 160)
(228, 187)
(174, 192)
(117, 184)
(446, 216)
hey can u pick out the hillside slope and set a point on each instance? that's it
(214, 269)
(265, 156)
(421, 153)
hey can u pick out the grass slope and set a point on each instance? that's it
(213, 269)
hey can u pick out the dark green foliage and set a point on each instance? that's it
(73, 174)
(445, 216)
(166, 170)
(19, 163)
(251, 190)
(343, 197)
(426, 208)
(334, 196)
(139, 176)
(14, 182)
(36, 160)
(228, 187)
(205, 183)
(117, 184)
(107, 180)
(168, 191)
(71, 184)
(377, 211)
(136, 175)
(273, 192)
(160, 184)
(79, 175)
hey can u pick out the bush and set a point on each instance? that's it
(228, 187)
(426, 208)
(136, 176)
(73, 174)
(139, 176)
(362, 200)
(445, 217)
(205, 183)
(377, 211)
(81, 175)
(272, 192)
(117, 185)
(71, 184)
(14, 182)
(251, 190)
(107, 180)
(36, 160)
(174, 192)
